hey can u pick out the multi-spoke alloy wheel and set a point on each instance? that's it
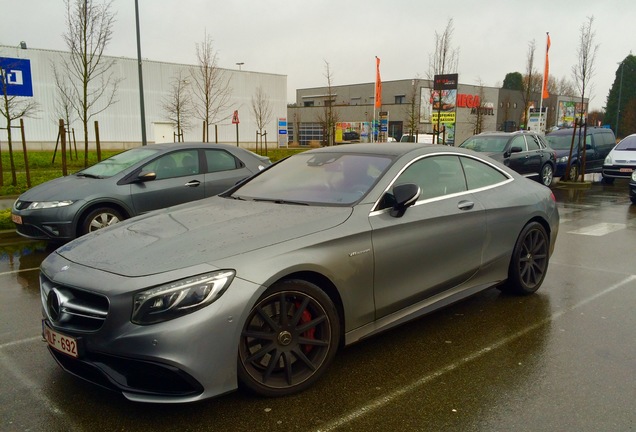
(529, 261)
(100, 218)
(288, 340)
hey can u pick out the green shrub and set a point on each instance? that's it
(5, 220)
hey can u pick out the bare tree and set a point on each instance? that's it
(582, 72)
(13, 108)
(329, 116)
(178, 105)
(532, 81)
(261, 108)
(584, 69)
(412, 109)
(212, 90)
(63, 105)
(444, 60)
(92, 84)
(563, 87)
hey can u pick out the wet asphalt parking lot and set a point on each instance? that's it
(563, 359)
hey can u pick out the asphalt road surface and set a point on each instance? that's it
(563, 359)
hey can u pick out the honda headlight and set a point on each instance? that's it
(179, 298)
(48, 204)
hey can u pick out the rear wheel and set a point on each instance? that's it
(288, 340)
(100, 218)
(529, 261)
(547, 173)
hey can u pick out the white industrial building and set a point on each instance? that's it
(120, 124)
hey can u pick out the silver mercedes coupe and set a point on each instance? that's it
(261, 285)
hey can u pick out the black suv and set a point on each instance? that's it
(523, 151)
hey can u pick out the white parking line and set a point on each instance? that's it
(599, 229)
(19, 271)
(382, 401)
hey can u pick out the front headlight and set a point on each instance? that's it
(634, 176)
(563, 159)
(608, 160)
(179, 298)
(48, 204)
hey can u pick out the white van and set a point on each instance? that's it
(419, 138)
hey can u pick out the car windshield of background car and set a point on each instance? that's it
(561, 142)
(486, 144)
(627, 144)
(316, 178)
(117, 163)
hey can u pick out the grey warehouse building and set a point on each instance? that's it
(120, 123)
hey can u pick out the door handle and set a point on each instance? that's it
(193, 183)
(465, 205)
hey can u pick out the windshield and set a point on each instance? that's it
(316, 178)
(116, 164)
(487, 144)
(561, 141)
(628, 143)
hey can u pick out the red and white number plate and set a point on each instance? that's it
(16, 218)
(60, 342)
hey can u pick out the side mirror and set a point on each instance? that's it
(405, 196)
(515, 149)
(145, 176)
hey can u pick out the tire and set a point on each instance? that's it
(285, 353)
(529, 262)
(574, 172)
(546, 175)
(99, 218)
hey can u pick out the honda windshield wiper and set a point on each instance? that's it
(81, 174)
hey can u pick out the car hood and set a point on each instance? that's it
(63, 188)
(196, 233)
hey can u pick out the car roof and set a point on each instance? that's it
(391, 149)
(189, 145)
(591, 129)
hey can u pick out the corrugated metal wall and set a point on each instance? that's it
(120, 124)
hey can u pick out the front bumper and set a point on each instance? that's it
(618, 171)
(45, 224)
(185, 359)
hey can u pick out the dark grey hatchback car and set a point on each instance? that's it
(128, 184)
(525, 152)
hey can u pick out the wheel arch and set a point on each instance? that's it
(77, 226)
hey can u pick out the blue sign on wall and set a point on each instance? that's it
(17, 75)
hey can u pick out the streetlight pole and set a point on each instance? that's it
(141, 80)
(620, 90)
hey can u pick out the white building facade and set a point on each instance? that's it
(120, 123)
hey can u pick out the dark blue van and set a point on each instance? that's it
(598, 143)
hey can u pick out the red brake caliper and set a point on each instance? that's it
(305, 317)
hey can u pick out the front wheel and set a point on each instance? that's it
(100, 218)
(289, 338)
(529, 262)
(547, 173)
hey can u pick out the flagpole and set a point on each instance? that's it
(544, 81)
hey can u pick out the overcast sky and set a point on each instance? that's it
(296, 37)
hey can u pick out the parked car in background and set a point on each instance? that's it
(523, 151)
(632, 188)
(262, 284)
(418, 138)
(598, 143)
(621, 161)
(128, 184)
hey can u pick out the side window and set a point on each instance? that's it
(436, 176)
(220, 160)
(519, 141)
(176, 164)
(533, 142)
(479, 174)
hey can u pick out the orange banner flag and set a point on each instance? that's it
(547, 70)
(378, 84)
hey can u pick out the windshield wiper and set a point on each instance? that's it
(81, 174)
(281, 201)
